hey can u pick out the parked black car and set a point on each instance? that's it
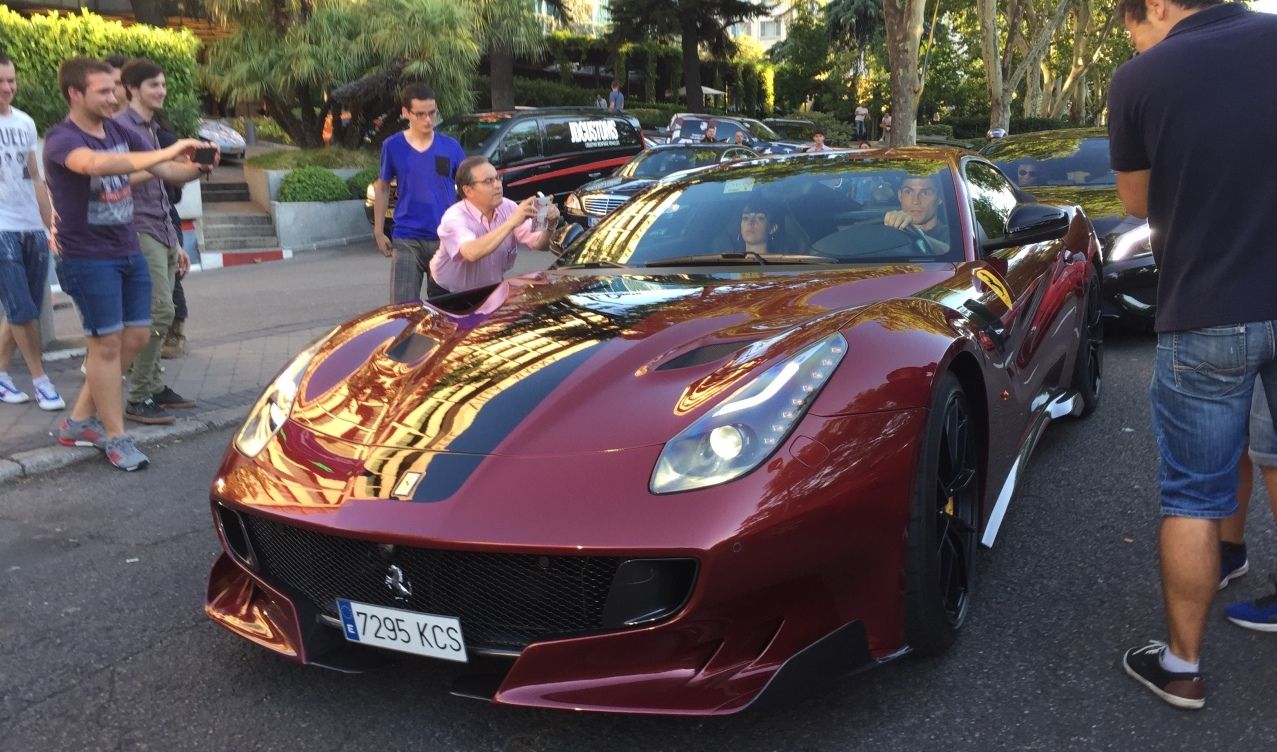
(1072, 167)
(596, 199)
(552, 150)
(688, 127)
(792, 129)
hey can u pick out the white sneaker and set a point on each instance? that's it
(48, 398)
(10, 393)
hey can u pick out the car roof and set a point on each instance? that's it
(719, 145)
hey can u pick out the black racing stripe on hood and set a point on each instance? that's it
(444, 475)
(500, 415)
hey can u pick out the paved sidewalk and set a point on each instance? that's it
(246, 323)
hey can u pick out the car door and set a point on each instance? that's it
(1013, 283)
(519, 158)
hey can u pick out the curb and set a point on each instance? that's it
(33, 462)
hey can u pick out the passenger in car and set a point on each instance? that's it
(758, 227)
(919, 199)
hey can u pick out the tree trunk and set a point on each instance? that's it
(695, 100)
(903, 19)
(501, 78)
(999, 102)
(150, 12)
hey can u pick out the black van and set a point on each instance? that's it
(553, 150)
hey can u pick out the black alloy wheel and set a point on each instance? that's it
(940, 558)
(1090, 355)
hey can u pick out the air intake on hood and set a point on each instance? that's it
(703, 355)
(411, 348)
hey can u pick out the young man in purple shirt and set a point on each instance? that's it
(480, 233)
(88, 159)
(423, 164)
(149, 398)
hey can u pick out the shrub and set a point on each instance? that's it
(936, 129)
(535, 92)
(333, 157)
(837, 133)
(313, 184)
(977, 126)
(358, 183)
(267, 129)
(41, 43)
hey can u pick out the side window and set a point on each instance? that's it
(992, 199)
(727, 131)
(558, 137)
(627, 134)
(522, 141)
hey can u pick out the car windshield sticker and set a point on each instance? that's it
(738, 185)
(595, 133)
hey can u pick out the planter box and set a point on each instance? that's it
(306, 225)
(263, 185)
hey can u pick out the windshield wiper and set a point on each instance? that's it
(736, 258)
(596, 265)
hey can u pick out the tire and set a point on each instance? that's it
(943, 521)
(1088, 364)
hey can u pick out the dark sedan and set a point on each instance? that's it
(595, 200)
(1072, 167)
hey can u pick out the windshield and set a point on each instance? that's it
(759, 130)
(473, 135)
(1050, 160)
(807, 210)
(658, 163)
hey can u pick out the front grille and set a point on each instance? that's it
(504, 601)
(602, 204)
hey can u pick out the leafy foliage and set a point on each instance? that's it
(41, 43)
(359, 182)
(333, 157)
(313, 184)
(267, 129)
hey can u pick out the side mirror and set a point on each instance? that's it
(512, 153)
(564, 237)
(1032, 223)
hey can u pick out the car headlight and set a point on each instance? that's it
(276, 403)
(735, 437)
(370, 193)
(1132, 244)
(573, 204)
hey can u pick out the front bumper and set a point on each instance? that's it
(794, 577)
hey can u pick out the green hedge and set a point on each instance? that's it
(333, 157)
(938, 129)
(977, 126)
(313, 184)
(358, 183)
(837, 132)
(267, 129)
(535, 92)
(41, 43)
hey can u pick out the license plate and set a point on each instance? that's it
(406, 631)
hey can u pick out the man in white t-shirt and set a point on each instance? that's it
(862, 112)
(25, 212)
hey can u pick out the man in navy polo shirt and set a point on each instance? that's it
(423, 164)
(1208, 200)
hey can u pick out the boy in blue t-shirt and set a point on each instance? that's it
(423, 164)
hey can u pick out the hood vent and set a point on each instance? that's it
(412, 348)
(702, 355)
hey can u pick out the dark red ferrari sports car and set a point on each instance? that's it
(749, 430)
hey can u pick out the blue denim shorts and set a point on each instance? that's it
(111, 293)
(1263, 436)
(24, 274)
(1203, 385)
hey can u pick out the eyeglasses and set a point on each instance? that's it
(1027, 172)
(427, 114)
(494, 180)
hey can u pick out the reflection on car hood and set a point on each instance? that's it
(563, 364)
(220, 133)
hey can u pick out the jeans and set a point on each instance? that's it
(410, 264)
(1203, 384)
(110, 293)
(24, 274)
(1263, 436)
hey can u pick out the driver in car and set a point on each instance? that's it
(919, 199)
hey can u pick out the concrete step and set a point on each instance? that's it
(217, 198)
(223, 187)
(244, 243)
(222, 221)
(213, 234)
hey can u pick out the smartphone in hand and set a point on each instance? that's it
(204, 155)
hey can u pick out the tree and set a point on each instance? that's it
(506, 29)
(290, 54)
(693, 23)
(150, 12)
(803, 57)
(903, 20)
(1028, 31)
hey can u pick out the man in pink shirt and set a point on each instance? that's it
(478, 235)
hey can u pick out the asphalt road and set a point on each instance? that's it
(104, 646)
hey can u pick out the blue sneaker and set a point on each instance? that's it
(1259, 614)
(11, 394)
(1232, 562)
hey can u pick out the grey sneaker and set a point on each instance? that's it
(124, 454)
(85, 433)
